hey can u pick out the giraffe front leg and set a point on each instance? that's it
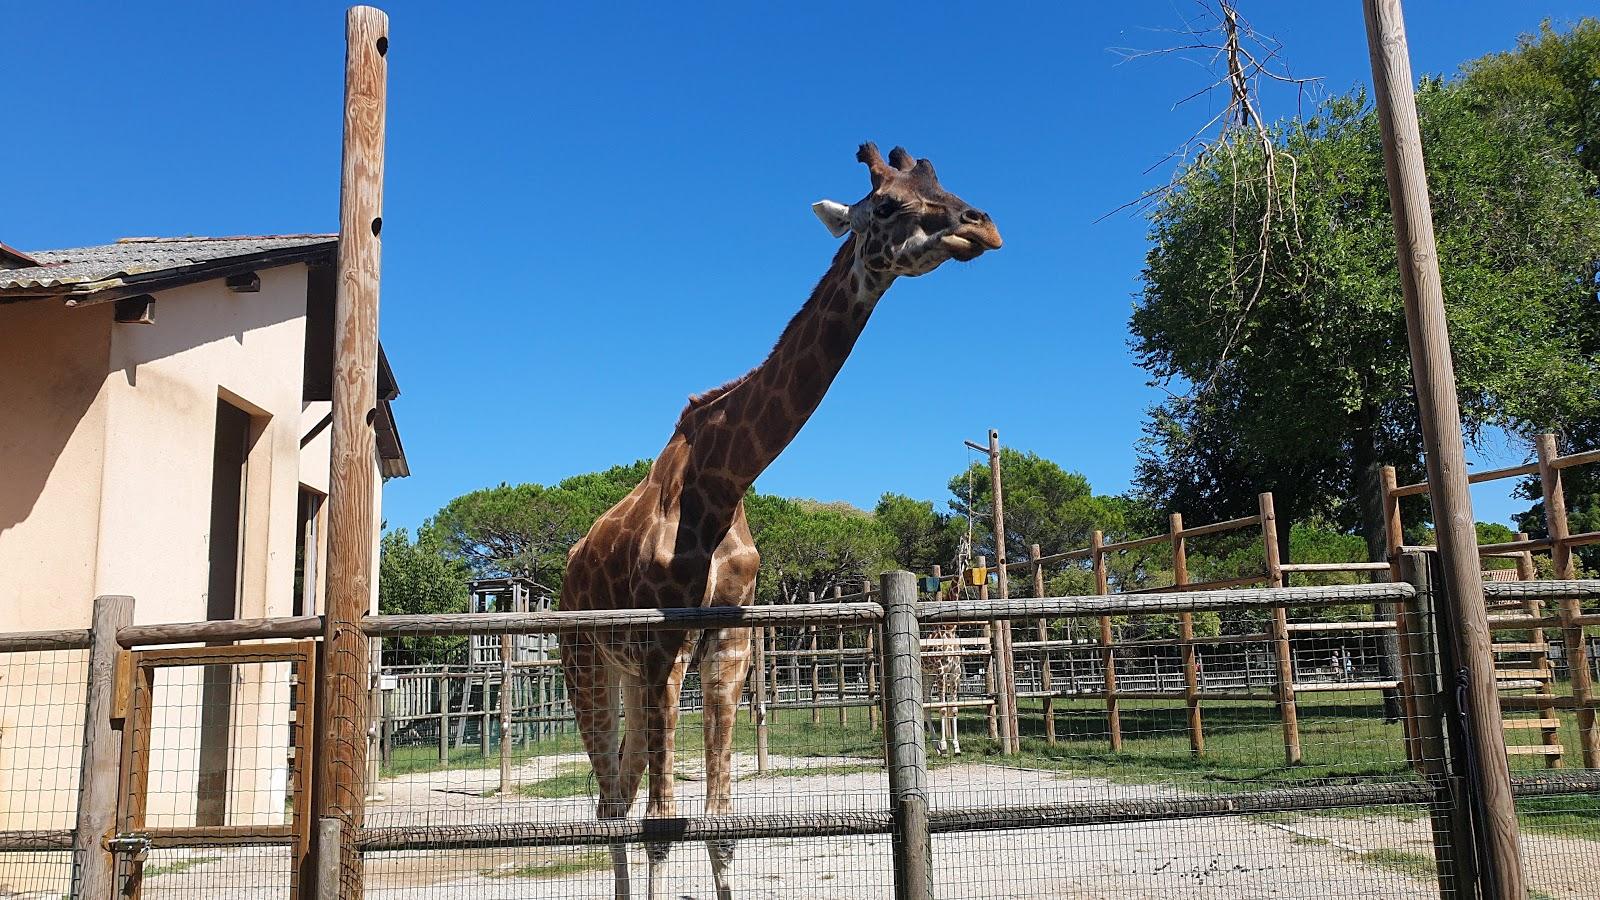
(723, 670)
(660, 715)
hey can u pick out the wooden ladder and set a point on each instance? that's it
(1532, 673)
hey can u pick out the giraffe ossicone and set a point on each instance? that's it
(680, 538)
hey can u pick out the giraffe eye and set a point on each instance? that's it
(886, 208)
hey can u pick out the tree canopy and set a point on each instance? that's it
(809, 546)
(1299, 382)
(526, 529)
(1044, 504)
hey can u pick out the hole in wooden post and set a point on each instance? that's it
(383, 46)
(377, 225)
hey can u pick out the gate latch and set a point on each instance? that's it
(136, 846)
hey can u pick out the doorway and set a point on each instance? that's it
(229, 481)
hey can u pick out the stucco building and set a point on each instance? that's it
(163, 434)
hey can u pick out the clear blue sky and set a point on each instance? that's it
(594, 210)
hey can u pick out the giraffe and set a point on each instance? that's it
(942, 661)
(680, 539)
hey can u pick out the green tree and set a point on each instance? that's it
(1044, 504)
(526, 529)
(1554, 75)
(415, 577)
(923, 536)
(809, 546)
(1303, 386)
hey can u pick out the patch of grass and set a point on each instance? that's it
(1576, 816)
(570, 780)
(1244, 744)
(803, 771)
(1403, 861)
(591, 861)
(178, 866)
(1309, 840)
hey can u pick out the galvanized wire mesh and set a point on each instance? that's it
(507, 755)
(481, 784)
(41, 743)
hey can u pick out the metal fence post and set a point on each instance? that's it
(1454, 861)
(102, 753)
(907, 754)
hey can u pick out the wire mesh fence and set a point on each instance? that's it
(1161, 760)
(509, 760)
(41, 742)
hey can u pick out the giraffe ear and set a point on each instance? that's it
(834, 215)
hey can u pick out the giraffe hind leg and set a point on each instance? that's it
(723, 669)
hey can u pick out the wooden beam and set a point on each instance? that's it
(340, 782)
(1434, 375)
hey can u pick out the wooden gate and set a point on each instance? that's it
(135, 693)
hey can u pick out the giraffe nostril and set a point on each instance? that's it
(970, 216)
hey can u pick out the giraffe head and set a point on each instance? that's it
(908, 224)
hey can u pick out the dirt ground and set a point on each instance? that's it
(1207, 859)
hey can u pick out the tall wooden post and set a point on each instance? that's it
(872, 666)
(1572, 634)
(94, 867)
(816, 668)
(904, 729)
(1007, 659)
(1046, 682)
(507, 695)
(1282, 649)
(1394, 537)
(1539, 657)
(758, 694)
(1188, 649)
(992, 680)
(838, 666)
(1108, 654)
(342, 764)
(1434, 375)
(443, 686)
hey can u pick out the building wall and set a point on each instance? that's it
(52, 441)
(108, 433)
(161, 397)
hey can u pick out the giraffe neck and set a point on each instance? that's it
(737, 430)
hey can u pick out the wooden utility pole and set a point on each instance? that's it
(1434, 375)
(1008, 670)
(342, 761)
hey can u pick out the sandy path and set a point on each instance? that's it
(1211, 859)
